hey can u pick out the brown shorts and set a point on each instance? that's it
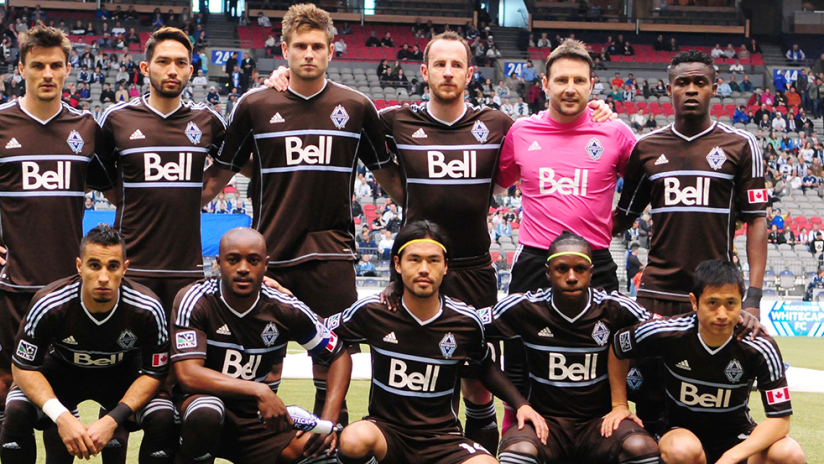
(574, 440)
(664, 307)
(165, 288)
(415, 446)
(716, 445)
(13, 308)
(327, 287)
(474, 285)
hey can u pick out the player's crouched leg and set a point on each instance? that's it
(680, 446)
(521, 446)
(158, 421)
(17, 445)
(784, 451)
(201, 426)
(639, 448)
(361, 442)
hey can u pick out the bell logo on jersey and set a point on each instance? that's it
(85, 359)
(59, 179)
(171, 171)
(577, 185)
(689, 195)
(312, 154)
(576, 372)
(690, 397)
(233, 368)
(414, 381)
(456, 168)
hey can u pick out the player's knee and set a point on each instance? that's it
(523, 448)
(20, 415)
(682, 452)
(358, 439)
(157, 417)
(786, 451)
(205, 415)
(638, 445)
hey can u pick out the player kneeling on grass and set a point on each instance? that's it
(228, 332)
(575, 381)
(418, 355)
(94, 336)
(709, 374)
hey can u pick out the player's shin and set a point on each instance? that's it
(481, 423)
(320, 373)
(116, 449)
(202, 422)
(17, 445)
(158, 421)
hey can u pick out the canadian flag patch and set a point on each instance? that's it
(779, 395)
(757, 195)
(160, 359)
(333, 341)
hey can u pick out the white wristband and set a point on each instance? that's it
(54, 408)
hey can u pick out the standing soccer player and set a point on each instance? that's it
(418, 355)
(307, 143)
(575, 382)
(701, 177)
(93, 336)
(709, 376)
(47, 159)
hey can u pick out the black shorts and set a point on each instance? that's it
(13, 308)
(327, 287)
(529, 270)
(716, 445)
(165, 288)
(415, 446)
(244, 439)
(474, 283)
(664, 307)
(575, 440)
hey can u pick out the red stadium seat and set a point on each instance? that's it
(494, 255)
(510, 255)
(815, 220)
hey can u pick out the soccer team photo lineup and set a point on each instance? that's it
(533, 271)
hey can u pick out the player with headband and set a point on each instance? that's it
(575, 382)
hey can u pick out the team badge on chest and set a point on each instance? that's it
(75, 141)
(448, 345)
(270, 334)
(595, 149)
(126, 339)
(634, 379)
(716, 158)
(480, 131)
(734, 371)
(600, 333)
(194, 133)
(340, 117)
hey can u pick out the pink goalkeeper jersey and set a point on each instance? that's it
(569, 171)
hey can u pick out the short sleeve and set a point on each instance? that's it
(387, 116)
(155, 347)
(643, 340)
(239, 139)
(218, 133)
(500, 321)
(637, 187)
(351, 326)
(189, 329)
(35, 335)
(306, 329)
(508, 170)
(751, 197)
(372, 147)
(102, 170)
(772, 378)
(625, 312)
(478, 354)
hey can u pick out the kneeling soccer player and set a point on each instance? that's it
(575, 381)
(709, 374)
(228, 332)
(94, 336)
(418, 356)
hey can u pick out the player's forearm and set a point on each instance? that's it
(214, 180)
(33, 384)
(757, 250)
(618, 369)
(337, 384)
(199, 379)
(762, 437)
(140, 392)
(494, 379)
(389, 179)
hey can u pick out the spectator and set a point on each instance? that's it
(158, 21)
(200, 79)
(493, 55)
(231, 62)
(767, 97)
(729, 52)
(740, 115)
(528, 72)
(660, 88)
(633, 267)
(753, 47)
(639, 120)
(239, 207)
(544, 42)
(628, 94)
(724, 89)
(263, 20)
(416, 54)
(122, 94)
(403, 53)
(628, 49)
(119, 29)
(385, 245)
(272, 46)
(743, 53)
(521, 109)
(746, 85)
(673, 46)
(247, 67)
(212, 97)
(373, 40)
(107, 95)
(633, 234)
(780, 98)
(366, 243)
(717, 52)
(795, 55)
(810, 181)
(779, 124)
(660, 45)
(365, 268)
(340, 46)
(362, 189)
(737, 67)
(97, 76)
(775, 237)
(793, 98)
(122, 76)
(387, 41)
(617, 81)
(616, 94)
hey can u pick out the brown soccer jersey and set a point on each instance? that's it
(59, 330)
(416, 365)
(698, 186)
(45, 167)
(306, 154)
(567, 356)
(449, 169)
(244, 345)
(157, 162)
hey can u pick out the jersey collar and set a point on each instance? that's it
(445, 123)
(325, 84)
(38, 119)
(164, 116)
(690, 139)
(94, 319)
(419, 321)
(583, 311)
(240, 315)
(711, 351)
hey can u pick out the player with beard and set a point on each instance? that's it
(47, 160)
(307, 143)
(700, 177)
(448, 152)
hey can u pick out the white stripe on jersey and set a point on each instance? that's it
(755, 150)
(163, 185)
(465, 309)
(672, 325)
(133, 102)
(719, 175)
(511, 300)
(129, 151)
(776, 367)
(143, 301)
(203, 106)
(697, 409)
(627, 303)
(52, 193)
(486, 146)
(410, 357)
(235, 346)
(409, 393)
(277, 135)
(306, 168)
(689, 209)
(596, 349)
(449, 181)
(348, 313)
(187, 304)
(569, 384)
(11, 159)
(47, 303)
(708, 384)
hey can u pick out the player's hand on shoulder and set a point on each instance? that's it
(389, 298)
(279, 79)
(613, 419)
(272, 410)
(101, 432)
(526, 414)
(272, 283)
(601, 111)
(749, 325)
(75, 436)
(320, 444)
(3, 251)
